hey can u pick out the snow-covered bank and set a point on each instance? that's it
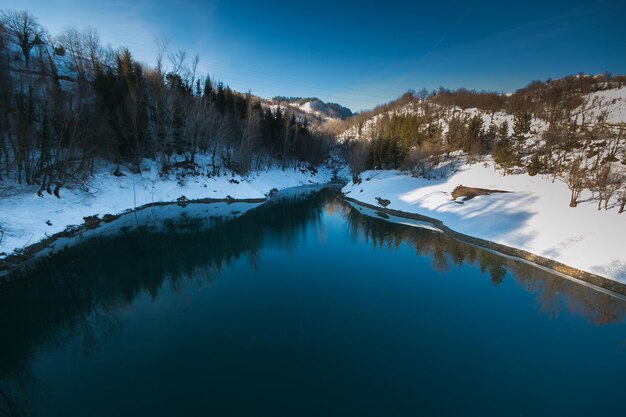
(534, 217)
(26, 218)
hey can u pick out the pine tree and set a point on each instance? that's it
(535, 165)
(457, 133)
(475, 133)
(208, 91)
(521, 128)
(504, 155)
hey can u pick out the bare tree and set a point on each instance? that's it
(196, 125)
(356, 157)
(422, 94)
(614, 137)
(249, 138)
(72, 41)
(622, 199)
(575, 180)
(178, 63)
(194, 70)
(605, 182)
(6, 84)
(162, 44)
(24, 27)
(93, 48)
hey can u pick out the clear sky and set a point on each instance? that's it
(361, 53)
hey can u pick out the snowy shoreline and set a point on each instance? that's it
(534, 218)
(593, 281)
(204, 209)
(27, 219)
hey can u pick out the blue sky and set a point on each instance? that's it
(361, 53)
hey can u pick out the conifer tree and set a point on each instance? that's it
(504, 154)
(474, 141)
(521, 128)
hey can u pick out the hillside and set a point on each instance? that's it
(608, 100)
(70, 104)
(574, 133)
(548, 179)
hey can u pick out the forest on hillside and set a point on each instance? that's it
(556, 128)
(67, 104)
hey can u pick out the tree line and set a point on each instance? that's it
(68, 103)
(573, 139)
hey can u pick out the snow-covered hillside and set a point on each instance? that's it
(365, 129)
(607, 103)
(610, 103)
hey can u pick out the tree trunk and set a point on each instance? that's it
(573, 200)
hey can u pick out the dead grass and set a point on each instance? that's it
(470, 192)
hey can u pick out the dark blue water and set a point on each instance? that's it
(302, 307)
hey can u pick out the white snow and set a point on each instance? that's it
(24, 216)
(534, 217)
(610, 102)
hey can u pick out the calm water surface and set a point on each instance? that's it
(301, 307)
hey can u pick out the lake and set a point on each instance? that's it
(301, 306)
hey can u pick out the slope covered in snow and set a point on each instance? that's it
(609, 103)
(533, 216)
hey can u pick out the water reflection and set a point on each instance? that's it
(553, 292)
(70, 299)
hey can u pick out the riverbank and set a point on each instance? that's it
(26, 218)
(596, 282)
(532, 218)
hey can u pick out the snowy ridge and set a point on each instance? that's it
(609, 103)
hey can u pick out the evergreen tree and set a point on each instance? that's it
(535, 165)
(208, 91)
(474, 142)
(521, 128)
(490, 137)
(504, 153)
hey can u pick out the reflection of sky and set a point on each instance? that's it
(360, 54)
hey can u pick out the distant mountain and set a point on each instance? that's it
(313, 107)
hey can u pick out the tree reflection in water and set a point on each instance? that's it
(71, 297)
(553, 292)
